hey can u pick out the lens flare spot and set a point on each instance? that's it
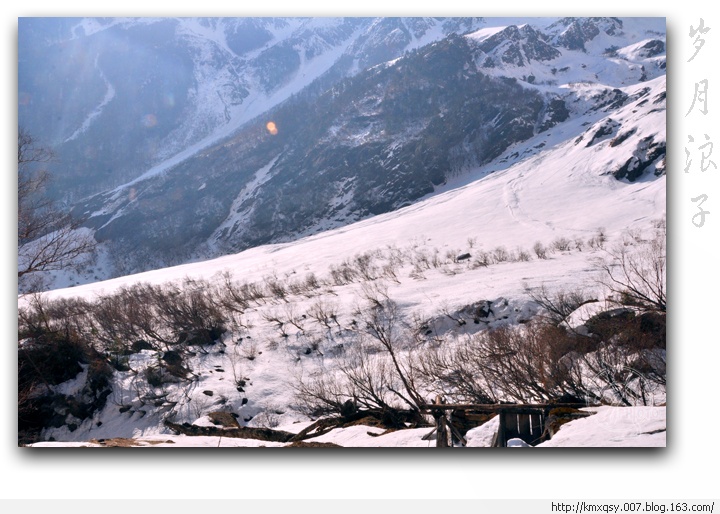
(169, 100)
(271, 127)
(132, 194)
(24, 98)
(149, 120)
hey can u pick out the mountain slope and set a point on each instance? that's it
(559, 185)
(369, 115)
(124, 97)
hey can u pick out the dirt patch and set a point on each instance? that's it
(559, 416)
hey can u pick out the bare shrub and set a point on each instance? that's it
(293, 317)
(421, 260)
(540, 250)
(636, 275)
(312, 283)
(324, 313)
(597, 242)
(500, 254)
(67, 317)
(375, 294)
(542, 362)
(448, 372)
(277, 320)
(269, 417)
(238, 297)
(612, 376)
(365, 266)
(632, 236)
(370, 379)
(389, 271)
(558, 305)
(482, 259)
(321, 393)
(250, 350)
(383, 323)
(130, 315)
(276, 288)
(55, 344)
(522, 255)
(236, 366)
(561, 244)
(189, 310)
(374, 374)
(296, 287)
(199, 405)
(522, 364)
(629, 362)
(343, 274)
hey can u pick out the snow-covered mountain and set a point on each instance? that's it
(503, 187)
(123, 98)
(369, 115)
(456, 264)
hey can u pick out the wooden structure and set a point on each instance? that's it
(516, 421)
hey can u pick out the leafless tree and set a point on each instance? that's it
(48, 238)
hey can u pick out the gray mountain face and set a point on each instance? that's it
(115, 97)
(366, 118)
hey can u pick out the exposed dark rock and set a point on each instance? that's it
(622, 137)
(579, 31)
(652, 48)
(607, 128)
(517, 46)
(172, 357)
(261, 434)
(140, 345)
(226, 419)
(649, 156)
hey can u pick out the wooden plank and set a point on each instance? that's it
(442, 434)
(500, 406)
(500, 442)
(524, 427)
(510, 419)
(457, 434)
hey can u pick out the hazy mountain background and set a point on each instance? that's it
(160, 125)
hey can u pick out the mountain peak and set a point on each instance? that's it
(517, 46)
